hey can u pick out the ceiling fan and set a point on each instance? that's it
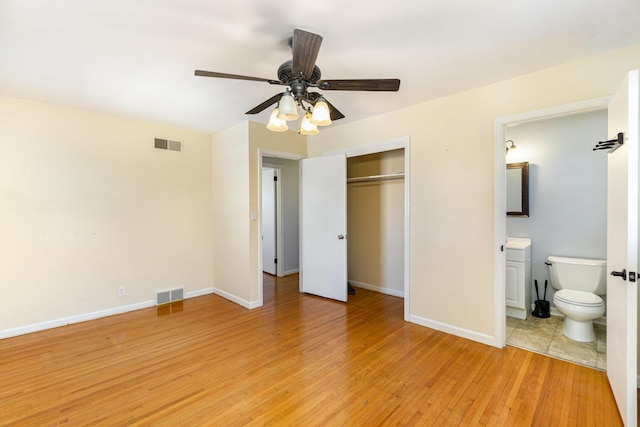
(300, 74)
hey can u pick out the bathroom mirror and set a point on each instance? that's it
(518, 189)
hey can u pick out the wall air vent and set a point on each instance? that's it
(163, 297)
(165, 144)
(161, 143)
(175, 145)
(177, 294)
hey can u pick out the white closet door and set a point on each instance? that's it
(324, 227)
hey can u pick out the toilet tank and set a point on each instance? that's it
(580, 274)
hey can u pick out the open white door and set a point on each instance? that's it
(268, 221)
(622, 249)
(324, 227)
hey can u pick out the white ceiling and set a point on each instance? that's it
(136, 58)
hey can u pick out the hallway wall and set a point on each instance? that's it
(290, 185)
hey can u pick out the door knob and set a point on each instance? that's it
(341, 236)
(622, 274)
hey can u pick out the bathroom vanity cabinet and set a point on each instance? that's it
(518, 277)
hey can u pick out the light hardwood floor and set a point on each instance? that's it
(299, 360)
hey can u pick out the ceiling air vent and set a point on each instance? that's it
(164, 144)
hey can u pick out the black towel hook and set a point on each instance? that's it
(611, 145)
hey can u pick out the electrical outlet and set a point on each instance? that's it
(121, 291)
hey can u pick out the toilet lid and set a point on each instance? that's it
(571, 296)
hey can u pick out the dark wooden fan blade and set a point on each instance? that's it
(333, 112)
(374, 85)
(230, 76)
(266, 104)
(305, 48)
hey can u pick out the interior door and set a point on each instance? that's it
(622, 249)
(324, 227)
(268, 221)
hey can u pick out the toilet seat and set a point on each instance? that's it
(581, 298)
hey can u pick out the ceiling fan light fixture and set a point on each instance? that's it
(306, 127)
(276, 124)
(321, 115)
(288, 110)
(301, 73)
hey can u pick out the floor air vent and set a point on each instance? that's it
(163, 297)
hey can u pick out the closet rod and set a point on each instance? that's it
(387, 177)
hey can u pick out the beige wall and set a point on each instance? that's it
(87, 204)
(231, 215)
(236, 192)
(451, 196)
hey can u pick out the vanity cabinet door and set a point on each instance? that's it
(514, 284)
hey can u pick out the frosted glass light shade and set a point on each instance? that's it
(276, 124)
(321, 115)
(288, 110)
(306, 127)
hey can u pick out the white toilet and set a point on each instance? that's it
(579, 282)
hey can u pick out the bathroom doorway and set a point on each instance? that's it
(567, 217)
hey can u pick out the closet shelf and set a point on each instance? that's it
(387, 177)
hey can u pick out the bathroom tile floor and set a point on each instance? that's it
(545, 336)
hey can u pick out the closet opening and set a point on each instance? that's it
(375, 222)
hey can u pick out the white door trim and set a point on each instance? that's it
(500, 202)
(378, 147)
(279, 154)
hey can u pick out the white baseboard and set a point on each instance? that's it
(455, 330)
(50, 324)
(294, 271)
(244, 303)
(198, 293)
(56, 323)
(386, 291)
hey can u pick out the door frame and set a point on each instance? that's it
(279, 243)
(500, 200)
(403, 142)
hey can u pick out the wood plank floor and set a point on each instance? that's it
(299, 360)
